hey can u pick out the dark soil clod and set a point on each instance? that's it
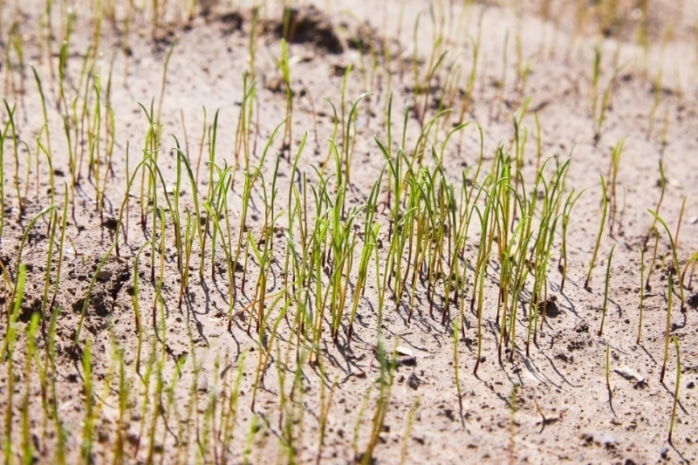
(232, 20)
(549, 308)
(307, 24)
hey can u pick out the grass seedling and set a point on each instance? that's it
(123, 405)
(212, 136)
(470, 85)
(415, 53)
(302, 282)
(612, 187)
(675, 268)
(455, 368)
(14, 137)
(255, 427)
(20, 249)
(648, 287)
(539, 141)
(94, 138)
(146, 380)
(520, 276)
(501, 84)
(3, 136)
(523, 68)
(566, 211)
(608, 375)
(662, 187)
(230, 409)
(45, 127)
(250, 178)
(325, 405)
(664, 136)
(642, 294)
(284, 65)
(657, 93)
(605, 104)
(252, 44)
(7, 355)
(604, 211)
(595, 73)
(244, 128)
(667, 330)
(86, 303)
(15, 43)
(159, 249)
(27, 444)
(47, 276)
(691, 262)
(512, 403)
(411, 414)
(89, 421)
(348, 147)
(192, 228)
(426, 88)
(60, 430)
(385, 384)
(606, 287)
(479, 289)
(156, 403)
(678, 224)
(676, 391)
(370, 238)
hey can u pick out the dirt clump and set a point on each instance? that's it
(307, 24)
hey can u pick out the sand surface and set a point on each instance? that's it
(223, 370)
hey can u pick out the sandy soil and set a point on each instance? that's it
(576, 396)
